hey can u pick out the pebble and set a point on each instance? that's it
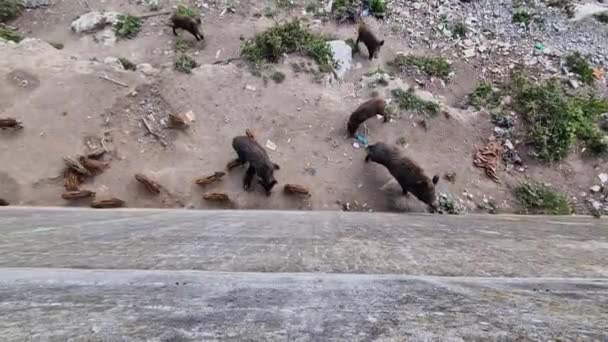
(595, 188)
(603, 177)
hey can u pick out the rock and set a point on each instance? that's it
(114, 63)
(468, 53)
(35, 3)
(376, 79)
(595, 188)
(573, 83)
(93, 21)
(147, 69)
(604, 121)
(603, 177)
(582, 11)
(250, 87)
(343, 54)
(508, 144)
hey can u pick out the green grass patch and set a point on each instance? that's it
(432, 66)
(270, 45)
(127, 64)
(183, 46)
(10, 34)
(186, 11)
(557, 120)
(522, 16)
(580, 66)
(184, 63)
(284, 4)
(127, 26)
(278, 77)
(9, 9)
(541, 199)
(408, 100)
(484, 96)
(377, 7)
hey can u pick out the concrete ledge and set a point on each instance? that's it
(331, 242)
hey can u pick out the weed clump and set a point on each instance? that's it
(127, 26)
(9, 9)
(580, 66)
(185, 64)
(459, 30)
(377, 7)
(407, 100)
(278, 77)
(537, 198)
(270, 45)
(521, 16)
(602, 17)
(127, 64)
(10, 34)
(557, 120)
(182, 46)
(432, 66)
(484, 96)
(184, 11)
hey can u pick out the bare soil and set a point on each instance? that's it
(62, 101)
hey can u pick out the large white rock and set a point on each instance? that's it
(343, 54)
(582, 11)
(93, 21)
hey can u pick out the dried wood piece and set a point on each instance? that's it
(150, 185)
(71, 180)
(250, 134)
(77, 195)
(10, 123)
(76, 166)
(217, 197)
(94, 166)
(294, 189)
(108, 203)
(3, 202)
(114, 81)
(216, 177)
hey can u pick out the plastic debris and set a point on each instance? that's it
(271, 146)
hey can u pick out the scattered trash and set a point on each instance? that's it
(216, 177)
(539, 47)
(361, 139)
(270, 145)
(487, 159)
(294, 189)
(77, 195)
(108, 203)
(150, 185)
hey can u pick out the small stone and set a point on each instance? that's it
(250, 87)
(603, 177)
(147, 69)
(595, 189)
(508, 144)
(469, 53)
(573, 83)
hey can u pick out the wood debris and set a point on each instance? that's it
(10, 123)
(149, 184)
(294, 189)
(108, 203)
(94, 166)
(487, 158)
(250, 134)
(77, 195)
(216, 197)
(3, 202)
(216, 177)
(71, 180)
(76, 166)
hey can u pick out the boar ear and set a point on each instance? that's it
(382, 43)
(276, 166)
(435, 179)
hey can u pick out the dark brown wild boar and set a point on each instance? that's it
(410, 176)
(370, 41)
(249, 151)
(187, 23)
(365, 111)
